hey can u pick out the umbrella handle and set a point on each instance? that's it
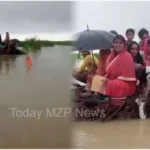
(93, 59)
(78, 54)
(87, 27)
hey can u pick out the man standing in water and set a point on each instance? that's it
(130, 33)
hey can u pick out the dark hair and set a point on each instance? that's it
(130, 30)
(142, 32)
(1, 39)
(138, 58)
(114, 32)
(120, 37)
(148, 42)
(140, 74)
(80, 48)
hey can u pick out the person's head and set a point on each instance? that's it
(7, 33)
(114, 32)
(133, 48)
(130, 34)
(104, 52)
(7, 36)
(0, 39)
(119, 43)
(143, 34)
(85, 52)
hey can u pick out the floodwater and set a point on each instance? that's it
(114, 134)
(42, 87)
(38, 89)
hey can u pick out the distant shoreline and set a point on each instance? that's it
(51, 43)
(34, 44)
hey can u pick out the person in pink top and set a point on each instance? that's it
(146, 49)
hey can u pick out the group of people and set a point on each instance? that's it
(117, 71)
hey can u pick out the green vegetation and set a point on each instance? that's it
(34, 44)
(75, 56)
(30, 44)
(96, 55)
(63, 43)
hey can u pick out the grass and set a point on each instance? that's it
(34, 44)
(63, 43)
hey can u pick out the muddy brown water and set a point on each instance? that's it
(116, 134)
(113, 134)
(39, 89)
(42, 87)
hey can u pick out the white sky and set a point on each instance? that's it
(113, 15)
(108, 15)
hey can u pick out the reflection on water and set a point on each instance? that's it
(113, 134)
(36, 89)
(6, 62)
(117, 134)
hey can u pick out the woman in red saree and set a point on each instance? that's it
(120, 79)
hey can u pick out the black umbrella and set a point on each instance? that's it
(93, 39)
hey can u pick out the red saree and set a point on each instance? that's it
(146, 53)
(141, 44)
(121, 73)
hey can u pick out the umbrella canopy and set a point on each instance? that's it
(114, 32)
(93, 39)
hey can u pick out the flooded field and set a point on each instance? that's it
(113, 134)
(37, 89)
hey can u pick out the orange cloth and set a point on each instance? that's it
(28, 62)
(98, 84)
(90, 64)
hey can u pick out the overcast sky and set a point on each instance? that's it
(65, 18)
(35, 17)
(113, 15)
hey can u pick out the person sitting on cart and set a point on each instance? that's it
(103, 55)
(140, 69)
(87, 69)
(120, 79)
